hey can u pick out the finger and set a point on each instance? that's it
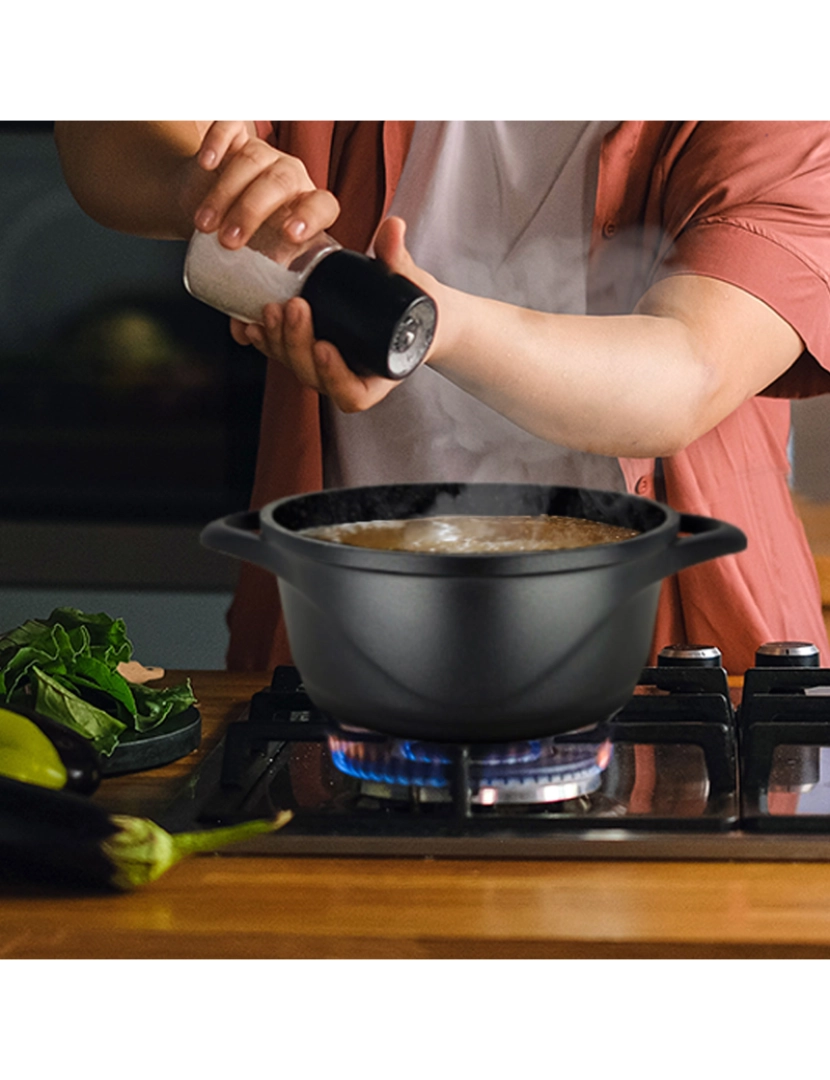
(296, 215)
(272, 325)
(289, 333)
(254, 183)
(351, 393)
(239, 332)
(255, 335)
(319, 364)
(223, 137)
(298, 340)
(250, 334)
(270, 338)
(312, 212)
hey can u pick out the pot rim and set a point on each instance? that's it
(652, 541)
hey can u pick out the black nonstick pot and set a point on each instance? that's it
(470, 647)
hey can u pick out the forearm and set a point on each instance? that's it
(137, 177)
(639, 385)
(618, 385)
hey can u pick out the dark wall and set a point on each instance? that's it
(121, 397)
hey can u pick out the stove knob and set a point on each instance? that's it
(689, 656)
(787, 654)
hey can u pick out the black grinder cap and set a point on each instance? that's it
(381, 322)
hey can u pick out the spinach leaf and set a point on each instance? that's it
(87, 671)
(107, 637)
(54, 700)
(155, 705)
(53, 649)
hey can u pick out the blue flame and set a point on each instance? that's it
(392, 770)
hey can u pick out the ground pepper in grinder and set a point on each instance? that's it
(381, 322)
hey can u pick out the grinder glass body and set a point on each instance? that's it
(381, 322)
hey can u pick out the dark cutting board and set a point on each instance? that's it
(171, 740)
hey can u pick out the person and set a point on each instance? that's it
(622, 305)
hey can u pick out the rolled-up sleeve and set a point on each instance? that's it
(749, 203)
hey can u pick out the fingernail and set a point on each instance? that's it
(206, 219)
(295, 229)
(254, 334)
(208, 158)
(231, 234)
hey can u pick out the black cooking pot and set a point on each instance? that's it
(470, 647)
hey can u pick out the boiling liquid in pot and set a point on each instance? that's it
(471, 534)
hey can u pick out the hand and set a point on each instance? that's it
(254, 183)
(287, 335)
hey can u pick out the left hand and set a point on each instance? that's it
(287, 335)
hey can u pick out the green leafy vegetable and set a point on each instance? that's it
(52, 648)
(153, 706)
(95, 675)
(54, 700)
(67, 666)
(107, 637)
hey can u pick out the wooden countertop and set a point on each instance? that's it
(240, 906)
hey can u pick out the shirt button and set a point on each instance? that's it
(645, 487)
(609, 228)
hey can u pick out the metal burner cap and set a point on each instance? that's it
(689, 656)
(787, 654)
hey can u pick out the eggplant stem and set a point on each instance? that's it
(190, 843)
(141, 851)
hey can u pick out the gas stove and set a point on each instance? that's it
(690, 768)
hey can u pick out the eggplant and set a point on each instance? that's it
(77, 754)
(65, 838)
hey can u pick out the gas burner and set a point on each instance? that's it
(538, 771)
(697, 771)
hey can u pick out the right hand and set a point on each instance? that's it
(255, 183)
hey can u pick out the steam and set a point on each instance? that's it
(622, 268)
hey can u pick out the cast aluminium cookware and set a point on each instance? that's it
(470, 647)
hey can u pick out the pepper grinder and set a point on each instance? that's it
(381, 322)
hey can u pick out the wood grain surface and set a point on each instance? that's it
(229, 905)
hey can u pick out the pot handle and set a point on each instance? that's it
(238, 535)
(707, 538)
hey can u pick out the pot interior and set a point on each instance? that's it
(403, 501)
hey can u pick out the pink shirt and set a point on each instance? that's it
(745, 202)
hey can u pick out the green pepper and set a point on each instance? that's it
(26, 754)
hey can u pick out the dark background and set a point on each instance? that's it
(128, 419)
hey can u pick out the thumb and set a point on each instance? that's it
(391, 249)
